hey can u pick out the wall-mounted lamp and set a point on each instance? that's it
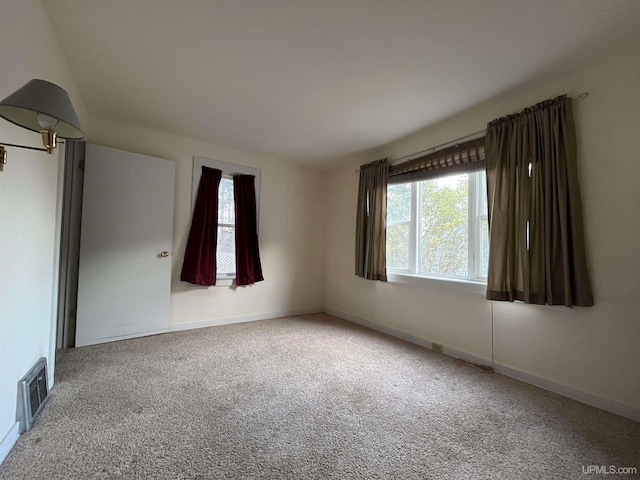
(42, 107)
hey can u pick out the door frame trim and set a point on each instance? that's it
(55, 281)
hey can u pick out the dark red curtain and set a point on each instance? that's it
(199, 265)
(248, 268)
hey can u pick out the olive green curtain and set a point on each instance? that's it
(537, 252)
(371, 221)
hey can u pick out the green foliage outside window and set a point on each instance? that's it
(443, 236)
(398, 225)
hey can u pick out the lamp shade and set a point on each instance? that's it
(41, 97)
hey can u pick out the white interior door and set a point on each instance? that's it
(124, 278)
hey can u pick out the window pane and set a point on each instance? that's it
(443, 229)
(226, 254)
(398, 246)
(398, 203)
(226, 213)
(484, 250)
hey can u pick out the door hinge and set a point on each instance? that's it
(81, 165)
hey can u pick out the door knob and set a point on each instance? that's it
(164, 254)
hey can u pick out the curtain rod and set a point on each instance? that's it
(433, 149)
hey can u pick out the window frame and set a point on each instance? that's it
(228, 171)
(474, 281)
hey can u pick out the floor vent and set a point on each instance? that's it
(32, 394)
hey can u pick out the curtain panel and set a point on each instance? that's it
(537, 252)
(248, 267)
(371, 220)
(199, 265)
(462, 158)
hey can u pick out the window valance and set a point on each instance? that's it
(462, 158)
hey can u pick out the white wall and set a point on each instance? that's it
(594, 350)
(28, 196)
(291, 229)
(592, 353)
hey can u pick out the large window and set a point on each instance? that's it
(439, 227)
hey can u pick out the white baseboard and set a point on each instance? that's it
(117, 338)
(174, 327)
(603, 403)
(9, 441)
(409, 337)
(597, 401)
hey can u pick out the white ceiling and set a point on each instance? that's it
(316, 80)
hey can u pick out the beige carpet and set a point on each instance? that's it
(305, 397)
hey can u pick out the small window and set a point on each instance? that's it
(226, 254)
(439, 227)
(226, 248)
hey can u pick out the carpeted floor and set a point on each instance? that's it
(305, 397)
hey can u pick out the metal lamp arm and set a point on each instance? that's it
(40, 149)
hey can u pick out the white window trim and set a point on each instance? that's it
(475, 283)
(448, 283)
(228, 170)
(480, 190)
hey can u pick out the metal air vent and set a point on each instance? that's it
(33, 393)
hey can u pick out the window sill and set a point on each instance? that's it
(225, 281)
(468, 286)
